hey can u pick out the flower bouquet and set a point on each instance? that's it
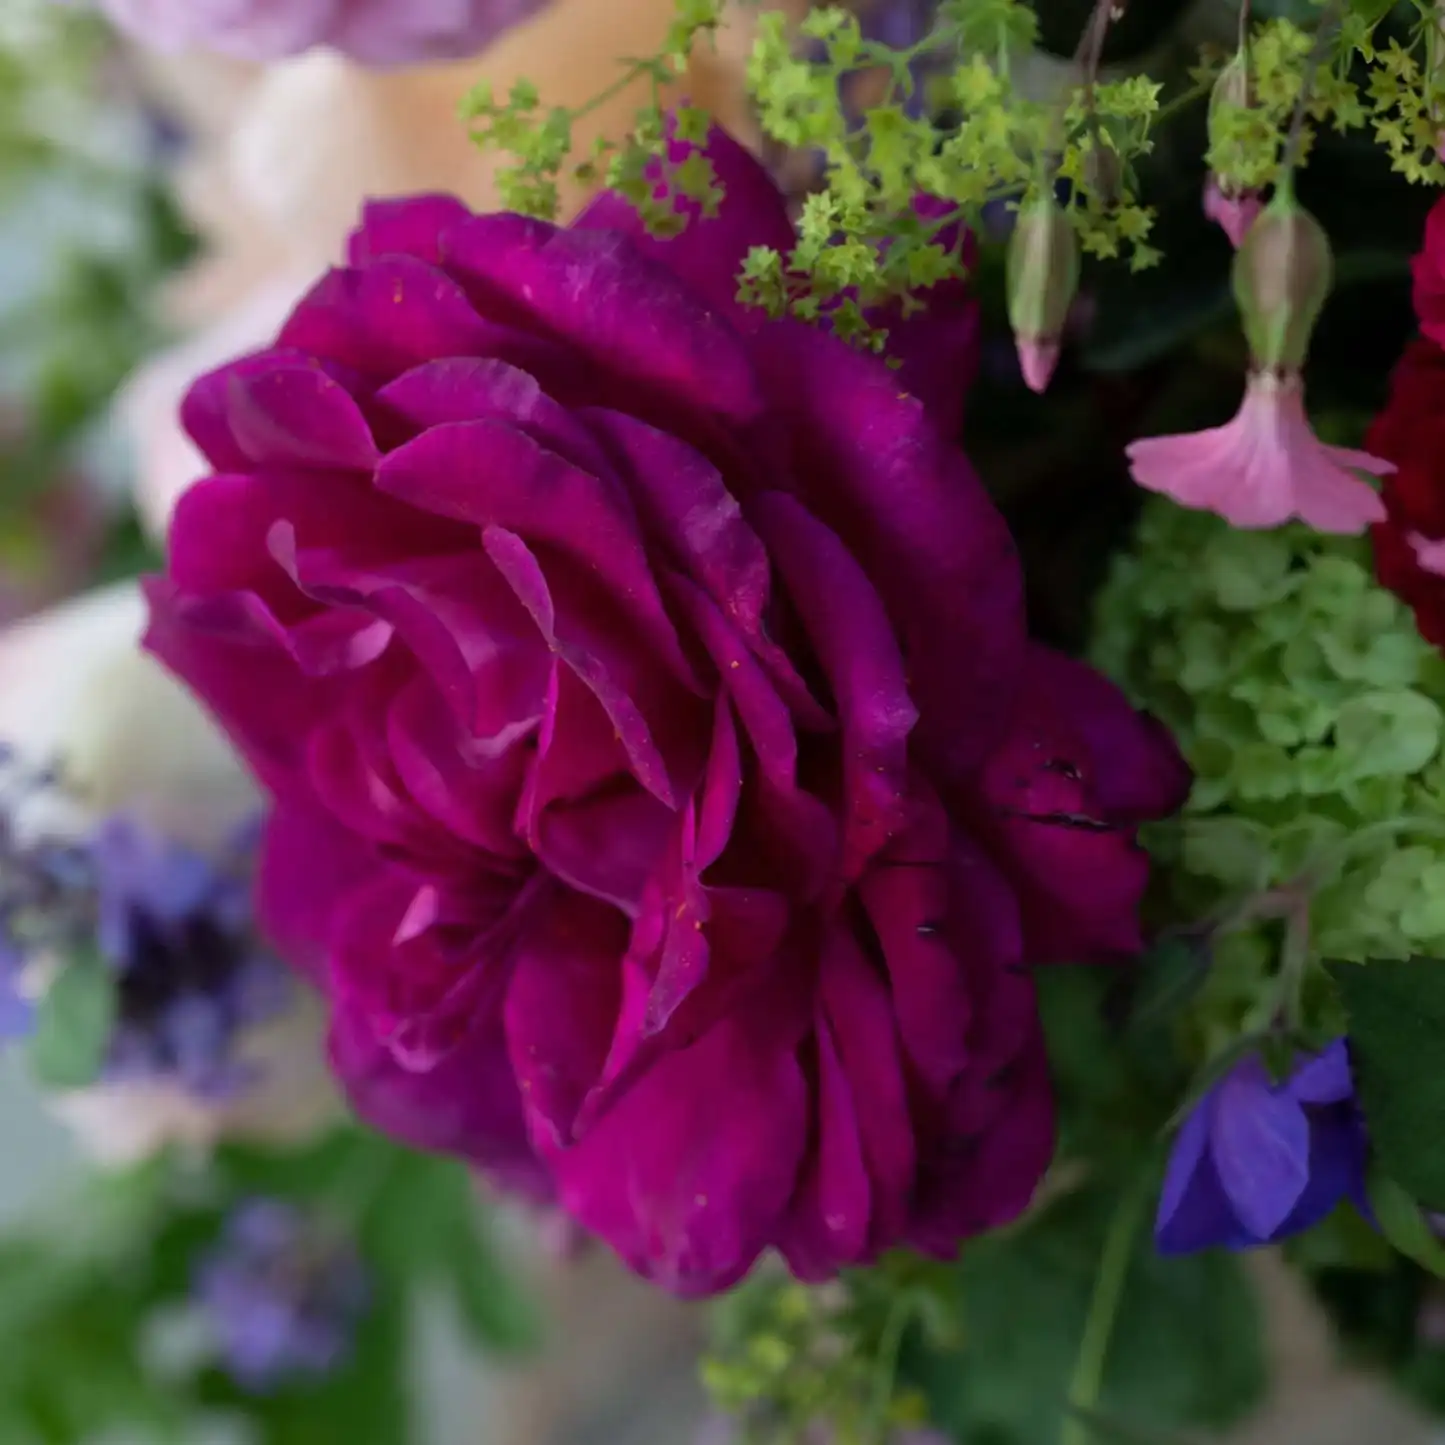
(741, 691)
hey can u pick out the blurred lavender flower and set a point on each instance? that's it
(1257, 1160)
(176, 926)
(282, 1297)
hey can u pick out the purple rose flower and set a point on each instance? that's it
(282, 1298)
(667, 794)
(375, 32)
(1258, 1161)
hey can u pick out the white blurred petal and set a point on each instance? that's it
(294, 1098)
(77, 692)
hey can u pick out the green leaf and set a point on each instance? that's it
(73, 1024)
(1403, 1223)
(1186, 1348)
(1169, 976)
(1382, 733)
(1371, 11)
(429, 1226)
(1396, 1015)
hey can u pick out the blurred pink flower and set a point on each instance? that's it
(1265, 467)
(375, 32)
(1234, 214)
(285, 158)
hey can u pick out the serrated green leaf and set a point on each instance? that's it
(1396, 1015)
(73, 1024)
(1371, 11)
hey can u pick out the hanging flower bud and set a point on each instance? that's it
(1267, 467)
(1232, 206)
(1282, 274)
(1042, 276)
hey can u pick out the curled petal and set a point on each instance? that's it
(1264, 468)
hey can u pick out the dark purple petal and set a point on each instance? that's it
(385, 317)
(404, 226)
(561, 1009)
(278, 409)
(868, 461)
(1260, 1142)
(709, 253)
(859, 654)
(1194, 1211)
(630, 316)
(1325, 1078)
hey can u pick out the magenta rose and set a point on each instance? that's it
(667, 795)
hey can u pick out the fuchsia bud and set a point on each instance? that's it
(1233, 207)
(1282, 274)
(1233, 214)
(1042, 277)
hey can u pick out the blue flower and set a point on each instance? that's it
(17, 1013)
(176, 926)
(1258, 1161)
(283, 1299)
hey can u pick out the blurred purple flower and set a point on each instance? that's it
(1258, 1161)
(282, 1298)
(17, 1013)
(176, 926)
(173, 924)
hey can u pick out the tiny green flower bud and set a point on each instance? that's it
(1042, 276)
(1282, 273)
(1233, 90)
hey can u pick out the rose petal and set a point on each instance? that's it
(709, 251)
(596, 291)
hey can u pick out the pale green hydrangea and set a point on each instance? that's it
(1312, 713)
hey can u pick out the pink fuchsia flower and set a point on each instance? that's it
(375, 32)
(1429, 271)
(1264, 467)
(1267, 466)
(667, 794)
(1233, 214)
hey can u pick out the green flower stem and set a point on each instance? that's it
(889, 1347)
(1103, 1311)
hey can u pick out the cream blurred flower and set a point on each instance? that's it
(276, 187)
(78, 696)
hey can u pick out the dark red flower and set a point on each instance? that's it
(1411, 433)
